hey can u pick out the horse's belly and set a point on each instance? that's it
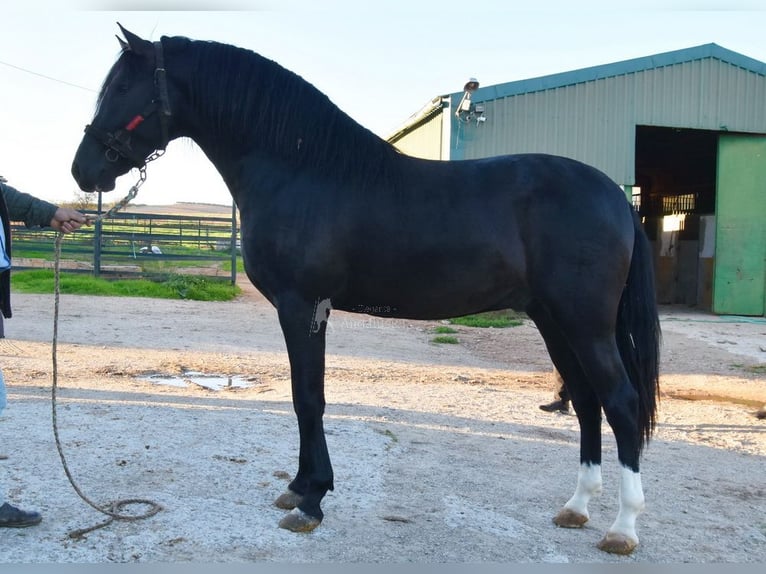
(434, 292)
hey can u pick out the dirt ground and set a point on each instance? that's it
(440, 451)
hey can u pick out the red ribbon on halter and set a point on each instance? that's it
(133, 124)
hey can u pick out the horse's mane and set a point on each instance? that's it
(254, 103)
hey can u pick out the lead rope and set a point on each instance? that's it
(114, 510)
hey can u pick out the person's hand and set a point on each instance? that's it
(67, 220)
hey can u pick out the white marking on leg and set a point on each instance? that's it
(322, 308)
(300, 514)
(631, 504)
(588, 485)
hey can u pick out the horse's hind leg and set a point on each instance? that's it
(602, 364)
(589, 360)
(575, 514)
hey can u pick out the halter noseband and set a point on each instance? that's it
(118, 144)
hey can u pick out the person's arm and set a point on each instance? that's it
(36, 212)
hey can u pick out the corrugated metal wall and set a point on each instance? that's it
(594, 121)
(425, 141)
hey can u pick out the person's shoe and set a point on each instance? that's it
(556, 406)
(12, 517)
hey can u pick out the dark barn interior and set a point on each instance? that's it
(676, 196)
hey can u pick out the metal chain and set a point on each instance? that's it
(132, 192)
(112, 509)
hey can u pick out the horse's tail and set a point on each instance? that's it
(638, 332)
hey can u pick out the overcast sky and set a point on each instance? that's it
(379, 61)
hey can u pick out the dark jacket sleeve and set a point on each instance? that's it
(34, 212)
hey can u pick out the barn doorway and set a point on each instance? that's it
(676, 196)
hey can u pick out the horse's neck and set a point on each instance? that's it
(312, 138)
(219, 147)
(248, 168)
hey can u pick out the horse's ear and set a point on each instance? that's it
(123, 44)
(134, 43)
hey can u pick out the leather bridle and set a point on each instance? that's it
(118, 144)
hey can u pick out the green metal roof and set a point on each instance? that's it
(618, 69)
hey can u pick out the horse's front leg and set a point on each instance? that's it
(305, 339)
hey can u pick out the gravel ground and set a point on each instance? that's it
(440, 452)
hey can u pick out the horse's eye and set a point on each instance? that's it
(122, 89)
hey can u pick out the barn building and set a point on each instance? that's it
(683, 132)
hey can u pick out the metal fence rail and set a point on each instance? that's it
(137, 244)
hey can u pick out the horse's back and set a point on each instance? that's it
(538, 207)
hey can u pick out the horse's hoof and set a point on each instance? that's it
(616, 543)
(288, 500)
(299, 521)
(567, 518)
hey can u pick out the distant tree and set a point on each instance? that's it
(82, 200)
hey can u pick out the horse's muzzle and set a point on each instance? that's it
(91, 182)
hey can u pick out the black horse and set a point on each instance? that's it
(334, 217)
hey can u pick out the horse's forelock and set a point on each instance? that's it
(125, 60)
